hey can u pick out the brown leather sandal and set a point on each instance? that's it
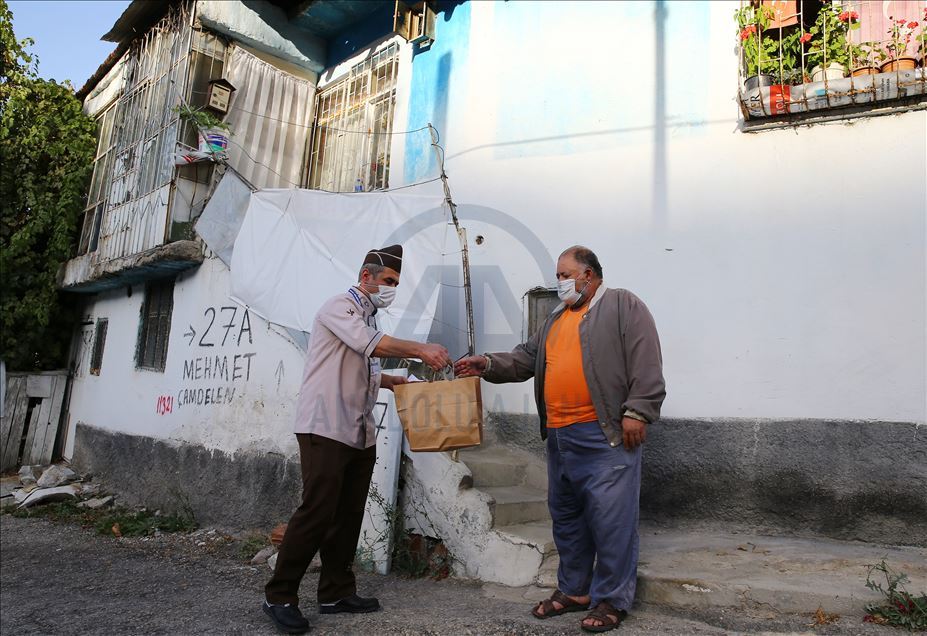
(608, 615)
(567, 605)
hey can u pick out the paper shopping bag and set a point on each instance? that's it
(441, 416)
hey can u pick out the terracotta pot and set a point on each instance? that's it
(832, 72)
(864, 70)
(276, 535)
(901, 64)
(757, 81)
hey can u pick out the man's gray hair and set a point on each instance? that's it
(374, 268)
(585, 257)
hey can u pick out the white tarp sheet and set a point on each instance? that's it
(296, 248)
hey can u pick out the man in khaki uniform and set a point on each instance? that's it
(337, 441)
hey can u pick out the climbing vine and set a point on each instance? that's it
(47, 146)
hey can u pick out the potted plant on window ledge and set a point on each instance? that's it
(760, 52)
(865, 58)
(897, 47)
(212, 133)
(828, 55)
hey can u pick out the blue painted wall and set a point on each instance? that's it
(439, 74)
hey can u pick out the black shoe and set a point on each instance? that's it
(287, 618)
(353, 604)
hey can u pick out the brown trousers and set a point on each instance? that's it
(336, 478)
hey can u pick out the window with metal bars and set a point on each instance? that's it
(100, 183)
(353, 126)
(801, 57)
(99, 341)
(155, 330)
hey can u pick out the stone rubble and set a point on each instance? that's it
(57, 475)
(262, 556)
(97, 502)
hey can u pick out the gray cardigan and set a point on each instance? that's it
(622, 361)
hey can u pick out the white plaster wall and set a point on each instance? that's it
(785, 269)
(252, 402)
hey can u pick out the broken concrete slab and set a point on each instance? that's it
(49, 495)
(97, 502)
(29, 474)
(56, 475)
(262, 556)
(92, 490)
(272, 561)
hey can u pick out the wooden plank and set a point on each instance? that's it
(6, 422)
(54, 417)
(29, 431)
(17, 404)
(37, 430)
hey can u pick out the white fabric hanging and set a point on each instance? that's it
(270, 117)
(297, 248)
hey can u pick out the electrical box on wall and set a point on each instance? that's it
(415, 21)
(220, 94)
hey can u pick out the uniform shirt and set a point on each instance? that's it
(566, 393)
(341, 378)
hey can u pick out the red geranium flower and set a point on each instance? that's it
(901, 21)
(912, 25)
(843, 17)
(805, 38)
(747, 32)
(854, 15)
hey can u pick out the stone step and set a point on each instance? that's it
(537, 533)
(517, 504)
(493, 467)
(505, 466)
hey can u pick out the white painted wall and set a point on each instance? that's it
(262, 372)
(785, 270)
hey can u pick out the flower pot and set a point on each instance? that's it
(213, 140)
(901, 64)
(756, 81)
(864, 70)
(832, 72)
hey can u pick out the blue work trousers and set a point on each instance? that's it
(593, 495)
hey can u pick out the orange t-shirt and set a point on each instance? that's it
(566, 395)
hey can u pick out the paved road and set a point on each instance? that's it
(60, 579)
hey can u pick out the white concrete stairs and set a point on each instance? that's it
(516, 482)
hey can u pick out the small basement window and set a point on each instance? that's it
(155, 326)
(806, 60)
(99, 341)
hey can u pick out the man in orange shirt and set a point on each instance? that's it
(598, 376)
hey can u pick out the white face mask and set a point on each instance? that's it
(566, 291)
(383, 297)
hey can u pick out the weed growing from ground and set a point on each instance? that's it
(119, 521)
(899, 608)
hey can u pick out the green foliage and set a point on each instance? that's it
(202, 119)
(46, 149)
(252, 544)
(130, 523)
(829, 38)
(413, 555)
(866, 54)
(760, 51)
(900, 608)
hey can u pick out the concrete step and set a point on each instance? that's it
(706, 569)
(493, 467)
(517, 504)
(505, 466)
(537, 533)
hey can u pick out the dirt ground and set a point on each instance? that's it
(58, 578)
